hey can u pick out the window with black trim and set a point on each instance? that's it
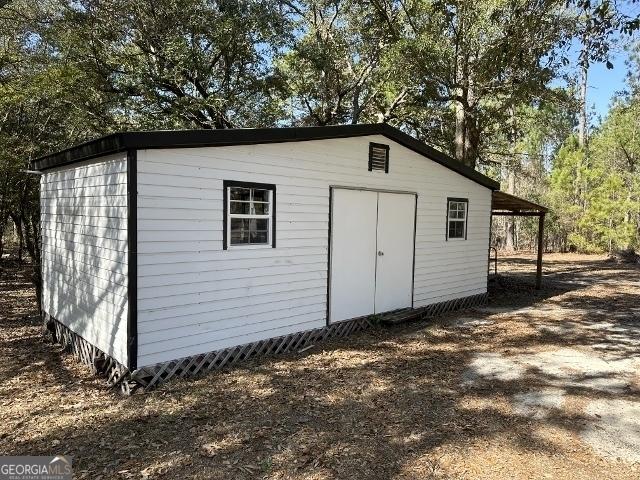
(457, 209)
(249, 214)
(378, 157)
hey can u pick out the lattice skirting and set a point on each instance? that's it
(100, 363)
(149, 377)
(436, 309)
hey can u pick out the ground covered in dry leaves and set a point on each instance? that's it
(539, 384)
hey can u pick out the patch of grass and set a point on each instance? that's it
(266, 465)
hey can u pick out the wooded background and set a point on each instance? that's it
(499, 84)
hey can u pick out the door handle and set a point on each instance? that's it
(380, 253)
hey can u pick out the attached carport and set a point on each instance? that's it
(503, 204)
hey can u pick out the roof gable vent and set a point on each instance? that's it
(378, 157)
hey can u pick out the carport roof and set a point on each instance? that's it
(505, 204)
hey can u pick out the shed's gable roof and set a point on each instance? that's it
(120, 142)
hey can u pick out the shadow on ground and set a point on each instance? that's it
(477, 394)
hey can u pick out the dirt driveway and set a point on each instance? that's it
(536, 385)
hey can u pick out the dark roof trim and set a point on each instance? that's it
(132, 260)
(120, 142)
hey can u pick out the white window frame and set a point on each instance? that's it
(464, 220)
(270, 216)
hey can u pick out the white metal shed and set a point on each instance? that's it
(170, 252)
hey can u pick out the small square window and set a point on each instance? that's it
(249, 213)
(240, 194)
(457, 209)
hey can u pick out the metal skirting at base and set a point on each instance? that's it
(100, 363)
(151, 376)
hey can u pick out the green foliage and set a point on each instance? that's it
(471, 78)
(596, 197)
(181, 63)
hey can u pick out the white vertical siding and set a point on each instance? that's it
(84, 250)
(195, 297)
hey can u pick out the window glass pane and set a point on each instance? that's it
(259, 236)
(457, 210)
(260, 195)
(462, 210)
(249, 231)
(260, 208)
(259, 224)
(456, 229)
(239, 238)
(239, 231)
(240, 193)
(240, 207)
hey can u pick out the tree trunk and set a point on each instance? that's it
(582, 101)
(471, 136)
(32, 242)
(3, 226)
(510, 222)
(584, 71)
(460, 141)
(610, 235)
(460, 91)
(467, 137)
(355, 108)
(583, 126)
(15, 218)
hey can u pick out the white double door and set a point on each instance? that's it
(372, 252)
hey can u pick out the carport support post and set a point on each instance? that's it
(540, 249)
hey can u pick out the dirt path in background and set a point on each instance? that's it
(536, 385)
